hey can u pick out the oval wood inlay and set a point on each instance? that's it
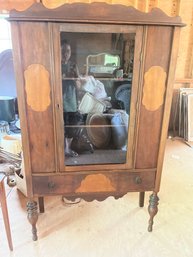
(37, 86)
(154, 88)
(96, 183)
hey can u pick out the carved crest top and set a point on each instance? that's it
(95, 13)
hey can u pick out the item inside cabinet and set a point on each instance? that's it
(94, 90)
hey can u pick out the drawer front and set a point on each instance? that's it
(103, 182)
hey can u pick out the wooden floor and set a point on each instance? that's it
(113, 228)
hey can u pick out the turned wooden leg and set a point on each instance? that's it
(141, 199)
(152, 209)
(41, 204)
(32, 216)
(5, 213)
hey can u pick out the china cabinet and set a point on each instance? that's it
(94, 85)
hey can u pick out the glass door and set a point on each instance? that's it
(99, 79)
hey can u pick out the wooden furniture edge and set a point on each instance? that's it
(96, 13)
(167, 106)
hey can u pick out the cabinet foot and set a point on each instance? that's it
(41, 204)
(33, 217)
(152, 209)
(141, 199)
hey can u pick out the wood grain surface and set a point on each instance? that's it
(37, 86)
(154, 88)
(95, 183)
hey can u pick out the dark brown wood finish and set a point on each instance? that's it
(41, 204)
(32, 211)
(141, 199)
(167, 107)
(18, 68)
(38, 75)
(158, 49)
(55, 29)
(121, 182)
(95, 13)
(40, 123)
(152, 209)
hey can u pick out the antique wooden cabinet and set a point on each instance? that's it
(98, 130)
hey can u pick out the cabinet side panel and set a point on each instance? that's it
(18, 69)
(34, 38)
(153, 97)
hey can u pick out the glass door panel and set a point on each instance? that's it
(97, 72)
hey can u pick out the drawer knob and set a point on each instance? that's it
(51, 185)
(138, 180)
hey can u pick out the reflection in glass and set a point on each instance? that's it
(96, 89)
(102, 64)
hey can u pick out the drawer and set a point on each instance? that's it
(94, 182)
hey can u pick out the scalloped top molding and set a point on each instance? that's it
(96, 13)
